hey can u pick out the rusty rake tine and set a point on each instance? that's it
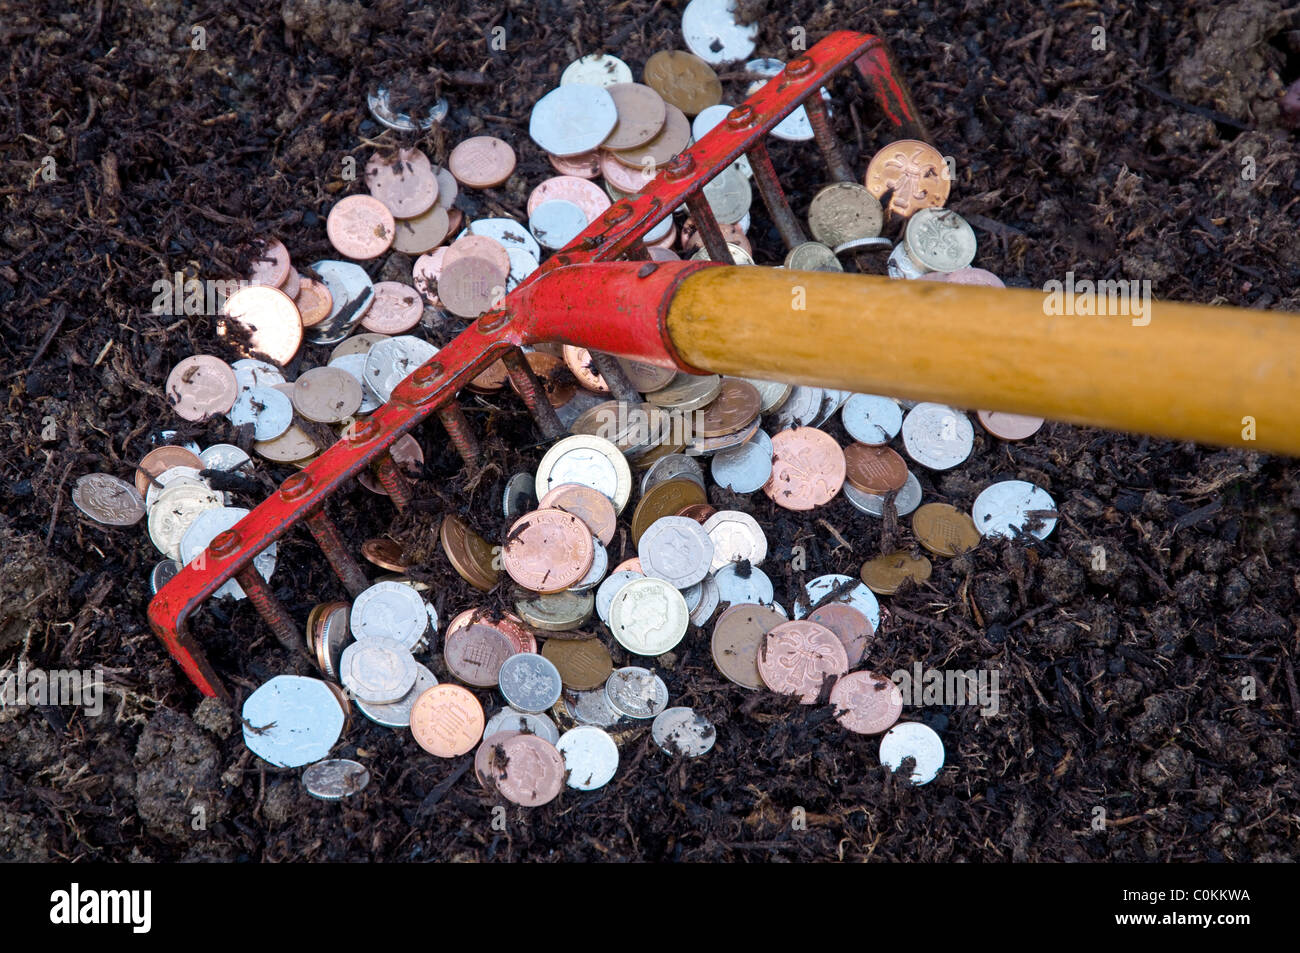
(271, 609)
(702, 215)
(459, 430)
(826, 141)
(620, 387)
(330, 540)
(773, 196)
(534, 397)
(393, 480)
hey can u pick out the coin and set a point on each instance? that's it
(812, 256)
(291, 721)
(333, 637)
(646, 378)
(590, 757)
(474, 246)
(735, 406)
(944, 530)
(351, 295)
(629, 180)
(915, 741)
(327, 395)
(665, 499)
(161, 459)
(870, 419)
(420, 233)
(641, 115)
(108, 500)
(585, 165)
(610, 588)
(583, 664)
(745, 469)
(871, 469)
(914, 174)
(512, 719)
(649, 616)
(408, 456)
(736, 537)
(687, 392)
(174, 476)
(677, 550)
(447, 721)
(800, 408)
(885, 574)
(636, 692)
(470, 287)
(506, 231)
(335, 779)
(205, 527)
(555, 612)
(201, 386)
(405, 183)
(586, 195)
(469, 553)
(683, 80)
(843, 212)
(377, 669)
(730, 196)
(578, 360)
(529, 682)
(519, 496)
(683, 731)
(591, 461)
(557, 222)
(551, 374)
(712, 32)
(391, 361)
(163, 573)
(547, 550)
(939, 240)
(864, 244)
(808, 469)
(313, 301)
(396, 309)
(381, 108)
(846, 590)
(1008, 426)
(171, 516)
(392, 610)
(672, 467)
(673, 138)
(224, 456)
(905, 500)
(591, 708)
(851, 627)
(398, 713)
(360, 227)
(591, 506)
(708, 120)
(866, 703)
(534, 772)
(596, 69)
(937, 436)
(1011, 507)
(482, 162)
(740, 585)
(271, 266)
(737, 637)
(291, 446)
(798, 656)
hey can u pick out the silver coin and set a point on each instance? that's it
(746, 469)
(522, 264)
(529, 682)
(390, 362)
(771, 393)
(683, 731)
(795, 127)
(392, 610)
(737, 589)
(900, 264)
(687, 392)
(292, 721)
(251, 372)
(674, 466)
(659, 232)
(799, 410)
(224, 456)
(269, 411)
(377, 669)
(832, 400)
(636, 692)
(856, 595)
(519, 497)
(709, 599)
(398, 714)
(677, 550)
(1003, 509)
(591, 708)
(872, 420)
(693, 595)
(355, 364)
(206, 527)
(911, 739)
(382, 110)
(336, 779)
(712, 32)
(937, 436)
(573, 118)
(706, 446)
(610, 588)
(907, 499)
(335, 634)
(599, 566)
(591, 461)
(590, 757)
(736, 536)
(864, 244)
(353, 294)
(729, 195)
(507, 231)
(557, 222)
(512, 719)
(176, 509)
(163, 573)
(738, 255)
(648, 617)
(172, 476)
(938, 239)
(595, 69)
(706, 121)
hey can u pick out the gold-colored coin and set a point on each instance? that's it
(945, 530)
(683, 80)
(470, 554)
(664, 499)
(385, 554)
(884, 575)
(914, 175)
(555, 612)
(583, 664)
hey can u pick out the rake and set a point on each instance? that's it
(1219, 375)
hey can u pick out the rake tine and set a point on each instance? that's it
(530, 389)
(393, 480)
(773, 197)
(331, 543)
(826, 141)
(460, 432)
(611, 370)
(271, 609)
(702, 215)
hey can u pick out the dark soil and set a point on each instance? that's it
(1122, 686)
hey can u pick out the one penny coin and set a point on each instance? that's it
(262, 322)
(534, 770)
(585, 165)
(798, 656)
(160, 460)
(578, 360)
(866, 703)
(850, 626)
(874, 469)
(314, 301)
(550, 372)
(483, 162)
(271, 266)
(476, 652)
(548, 551)
(473, 246)
(469, 287)
(201, 386)
(405, 183)
(397, 308)
(360, 226)
(945, 530)
(594, 508)
(447, 721)
(808, 469)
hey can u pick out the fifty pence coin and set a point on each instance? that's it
(590, 757)
(292, 721)
(529, 682)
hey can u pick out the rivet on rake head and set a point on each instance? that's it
(224, 544)
(646, 270)
(619, 213)
(799, 66)
(491, 322)
(361, 430)
(297, 486)
(426, 375)
(680, 167)
(740, 117)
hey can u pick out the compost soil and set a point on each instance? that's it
(1146, 650)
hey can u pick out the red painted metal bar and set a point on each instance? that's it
(531, 313)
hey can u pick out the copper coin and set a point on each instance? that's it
(385, 554)
(490, 759)
(408, 456)
(945, 530)
(262, 322)
(447, 721)
(850, 626)
(534, 770)
(874, 469)
(737, 639)
(808, 469)
(1009, 426)
(885, 575)
(327, 395)
(291, 285)
(455, 220)
(683, 80)
(589, 505)
(397, 308)
(578, 360)
(201, 386)
(797, 657)
(583, 664)
(673, 138)
(736, 406)
(519, 633)
(628, 565)
(626, 179)
(588, 196)
(551, 371)
(647, 378)
(405, 183)
(547, 551)
(425, 273)
(483, 162)
(966, 276)
(271, 267)
(491, 380)
(913, 172)
(360, 227)
(161, 459)
(314, 301)
(700, 512)
(470, 554)
(474, 654)
(866, 703)
(664, 499)
(585, 165)
(423, 233)
(473, 246)
(641, 114)
(470, 287)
